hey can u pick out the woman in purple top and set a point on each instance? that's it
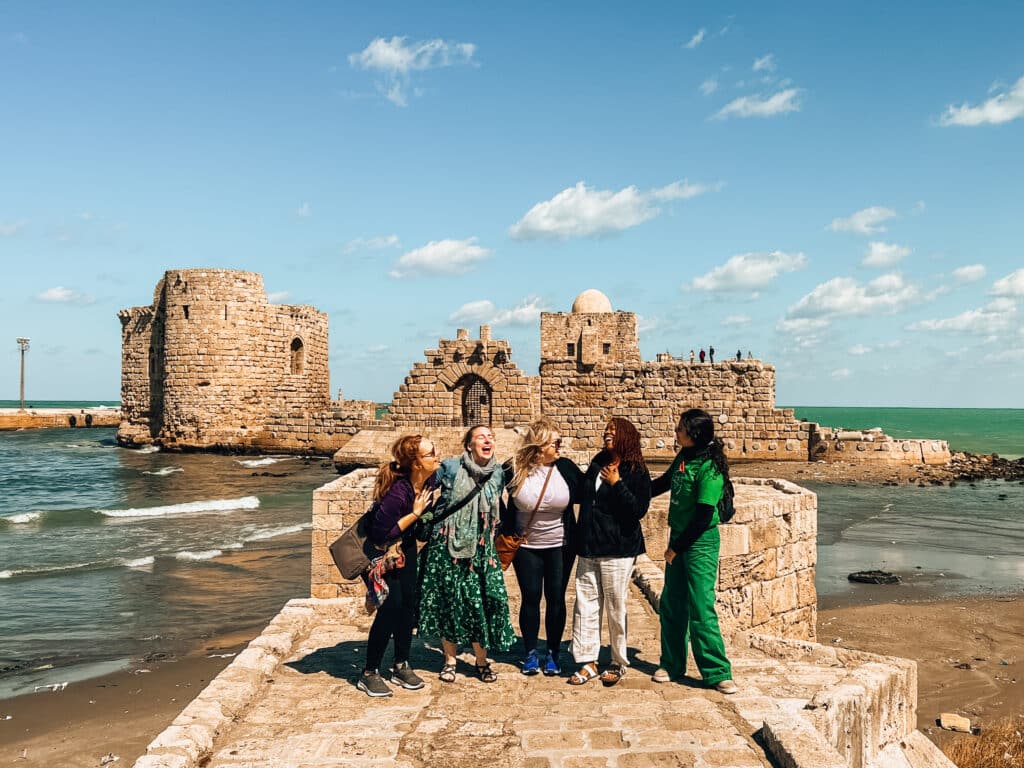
(403, 490)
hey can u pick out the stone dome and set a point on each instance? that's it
(591, 300)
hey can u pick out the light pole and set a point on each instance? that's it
(23, 346)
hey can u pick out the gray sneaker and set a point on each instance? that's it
(372, 684)
(403, 675)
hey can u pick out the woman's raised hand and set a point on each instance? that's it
(610, 473)
(424, 499)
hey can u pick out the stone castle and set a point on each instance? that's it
(211, 364)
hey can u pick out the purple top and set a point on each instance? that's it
(396, 504)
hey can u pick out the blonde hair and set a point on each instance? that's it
(405, 451)
(527, 458)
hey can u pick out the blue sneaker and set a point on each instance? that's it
(551, 667)
(531, 664)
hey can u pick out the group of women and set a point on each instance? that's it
(454, 589)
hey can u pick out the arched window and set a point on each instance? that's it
(298, 355)
(476, 401)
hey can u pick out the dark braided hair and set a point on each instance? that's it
(627, 443)
(700, 427)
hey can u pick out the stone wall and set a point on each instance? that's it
(209, 362)
(874, 445)
(766, 571)
(465, 381)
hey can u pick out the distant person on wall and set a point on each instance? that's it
(541, 490)
(739, 355)
(711, 354)
(463, 599)
(691, 357)
(750, 355)
(614, 499)
(702, 354)
(403, 491)
(696, 480)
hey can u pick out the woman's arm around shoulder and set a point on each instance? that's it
(573, 477)
(393, 506)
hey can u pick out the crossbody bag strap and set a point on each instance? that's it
(460, 504)
(539, 500)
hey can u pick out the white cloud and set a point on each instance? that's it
(996, 317)
(1001, 108)
(697, 39)
(278, 297)
(440, 257)
(10, 229)
(765, 64)
(884, 254)
(841, 373)
(1011, 285)
(483, 311)
(1005, 356)
(396, 60)
(749, 271)
(859, 349)
(865, 222)
(844, 296)
(304, 211)
(806, 332)
(736, 321)
(758, 105)
(582, 211)
(709, 86)
(379, 243)
(61, 295)
(970, 273)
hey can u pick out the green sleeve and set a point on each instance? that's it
(709, 484)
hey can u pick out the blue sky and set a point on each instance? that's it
(836, 187)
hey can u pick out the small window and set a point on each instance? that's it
(606, 348)
(298, 355)
(185, 307)
(570, 349)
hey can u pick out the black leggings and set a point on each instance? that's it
(547, 571)
(396, 617)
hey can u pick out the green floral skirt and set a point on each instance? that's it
(464, 601)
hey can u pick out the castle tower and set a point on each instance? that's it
(592, 335)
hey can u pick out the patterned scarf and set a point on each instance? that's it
(462, 530)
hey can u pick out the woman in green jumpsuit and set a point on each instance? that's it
(687, 609)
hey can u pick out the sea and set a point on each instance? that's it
(111, 557)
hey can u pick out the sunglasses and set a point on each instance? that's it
(431, 455)
(556, 443)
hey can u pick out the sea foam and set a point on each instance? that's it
(163, 471)
(211, 505)
(149, 449)
(27, 517)
(207, 554)
(275, 532)
(139, 562)
(264, 462)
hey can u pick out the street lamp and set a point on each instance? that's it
(23, 346)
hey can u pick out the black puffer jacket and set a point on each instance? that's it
(609, 519)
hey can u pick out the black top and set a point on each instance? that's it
(609, 522)
(573, 477)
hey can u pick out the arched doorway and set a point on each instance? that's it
(476, 401)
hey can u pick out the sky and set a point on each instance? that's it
(836, 187)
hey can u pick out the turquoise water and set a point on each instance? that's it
(976, 430)
(60, 403)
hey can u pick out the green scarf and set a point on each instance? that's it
(463, 528)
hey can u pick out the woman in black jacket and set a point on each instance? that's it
(615, 495)
(541, 491)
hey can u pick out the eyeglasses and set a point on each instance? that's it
(556, 443)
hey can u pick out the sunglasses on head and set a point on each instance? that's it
(431, 455)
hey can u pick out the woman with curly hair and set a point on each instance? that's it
(614, 498)
(540, 497)
(696, 480)
(402, 492)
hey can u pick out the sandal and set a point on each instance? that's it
(584, 674)
(447, 674)
(613, 674)
(485, 673)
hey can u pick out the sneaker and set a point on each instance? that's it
(405, 677)
(661, 676)
(372, 684)
(531, 664)
(551, 667)
(727, 687)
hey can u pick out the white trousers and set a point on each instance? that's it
(602, 587)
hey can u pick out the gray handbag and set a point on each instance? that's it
(353, 550)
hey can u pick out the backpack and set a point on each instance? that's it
(726, 508)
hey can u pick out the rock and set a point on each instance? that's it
(951, 722)
(874, 577)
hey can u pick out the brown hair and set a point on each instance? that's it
(627, 443)
(528, 456)
(405, 451)
(468, 437)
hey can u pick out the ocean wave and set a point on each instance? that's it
(210, 505)
(163, 471)
(10, 574)
(207, 554)
(140, 562)
(26, 517)
(266, 461)
(275, 532)
(148, 449)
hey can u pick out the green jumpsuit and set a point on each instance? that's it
(687, 606)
